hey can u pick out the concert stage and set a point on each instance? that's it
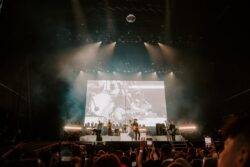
(116, 143)
(125, 138)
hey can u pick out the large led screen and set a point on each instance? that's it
(122, 101)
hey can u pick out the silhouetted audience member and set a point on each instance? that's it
(236, 151)
(107, 160)
(166, 154)
(175, 164)
(125, 161)
(190, 154)
(152, 163)
(183, 162)
(100, 152)
(197, 163)
(209, 162)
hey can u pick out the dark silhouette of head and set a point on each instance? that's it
(166, 151)
(236, 150)
(107, 160)
(125, 161)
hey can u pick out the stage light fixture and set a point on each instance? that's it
(188, 128)
(72, 128)
(130, 18)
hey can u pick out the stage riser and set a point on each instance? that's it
(93, 147)
(125, 137)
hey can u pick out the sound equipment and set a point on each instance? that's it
(160, 129)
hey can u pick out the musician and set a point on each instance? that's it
(124, 128)
(172, 130)
(99, 131)
(99, 125)
(136, 131)
(109, 125)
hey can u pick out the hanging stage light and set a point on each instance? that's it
(130, 18)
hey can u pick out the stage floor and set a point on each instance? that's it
(125, 137)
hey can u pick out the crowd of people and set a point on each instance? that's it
(236, 152)
(75, 154)
(148, 156)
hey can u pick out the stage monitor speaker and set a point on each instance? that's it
(160, 129)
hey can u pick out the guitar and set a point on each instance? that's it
(135, 127)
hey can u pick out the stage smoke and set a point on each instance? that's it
(151, 76)
(154, 53)
(72, 109)
(80, 21)
(109, 18)
(168, 52)
(106, 52)
(181, 103)
(104, 75)
(136, 76)
(86, 55)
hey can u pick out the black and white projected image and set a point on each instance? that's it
(121, 101)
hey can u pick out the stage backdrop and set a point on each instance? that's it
(121, 101)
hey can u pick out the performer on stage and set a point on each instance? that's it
(99, 131)
(136, 131)
(109, 125)
(124, 128)
(172, 130)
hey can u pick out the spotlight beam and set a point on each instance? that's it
(154, 53)
(168, 52)
(106, 52)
